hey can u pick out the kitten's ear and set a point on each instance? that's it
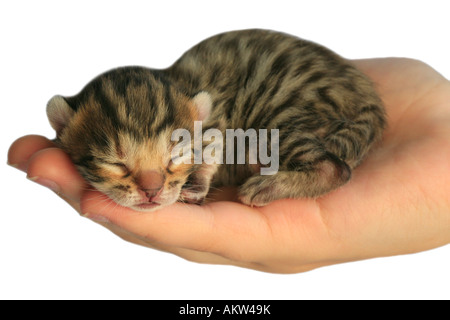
(203, 102)
(59, 113)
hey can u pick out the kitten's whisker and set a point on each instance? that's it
(107, 205)
(89, 189)
(101, 196)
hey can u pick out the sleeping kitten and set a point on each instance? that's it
(119, 129)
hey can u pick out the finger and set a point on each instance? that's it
(187, 254)
(53, 168)
(228, 229)
(241, 257)
(23, 148)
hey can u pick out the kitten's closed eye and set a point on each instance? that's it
(169, 166)
(123, 167)
(117, 168)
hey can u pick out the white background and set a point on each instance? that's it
(56, 47)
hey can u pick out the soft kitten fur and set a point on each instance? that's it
(118, 128)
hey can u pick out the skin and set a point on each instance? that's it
(397, 202)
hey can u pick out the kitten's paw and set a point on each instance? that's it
(193, 195)
(258, 191)
(196, 188)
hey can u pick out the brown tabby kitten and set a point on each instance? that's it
(118, 129)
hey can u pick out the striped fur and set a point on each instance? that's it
(327, 113)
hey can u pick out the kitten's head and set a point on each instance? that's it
(118, 130)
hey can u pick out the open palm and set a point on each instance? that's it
(397, 202)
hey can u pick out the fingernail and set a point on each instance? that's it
(46, 183)
(12, 164)
(95, 217)
(20, 166)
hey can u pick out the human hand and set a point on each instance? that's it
(397, 202)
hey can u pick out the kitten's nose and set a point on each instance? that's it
(151, 181)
